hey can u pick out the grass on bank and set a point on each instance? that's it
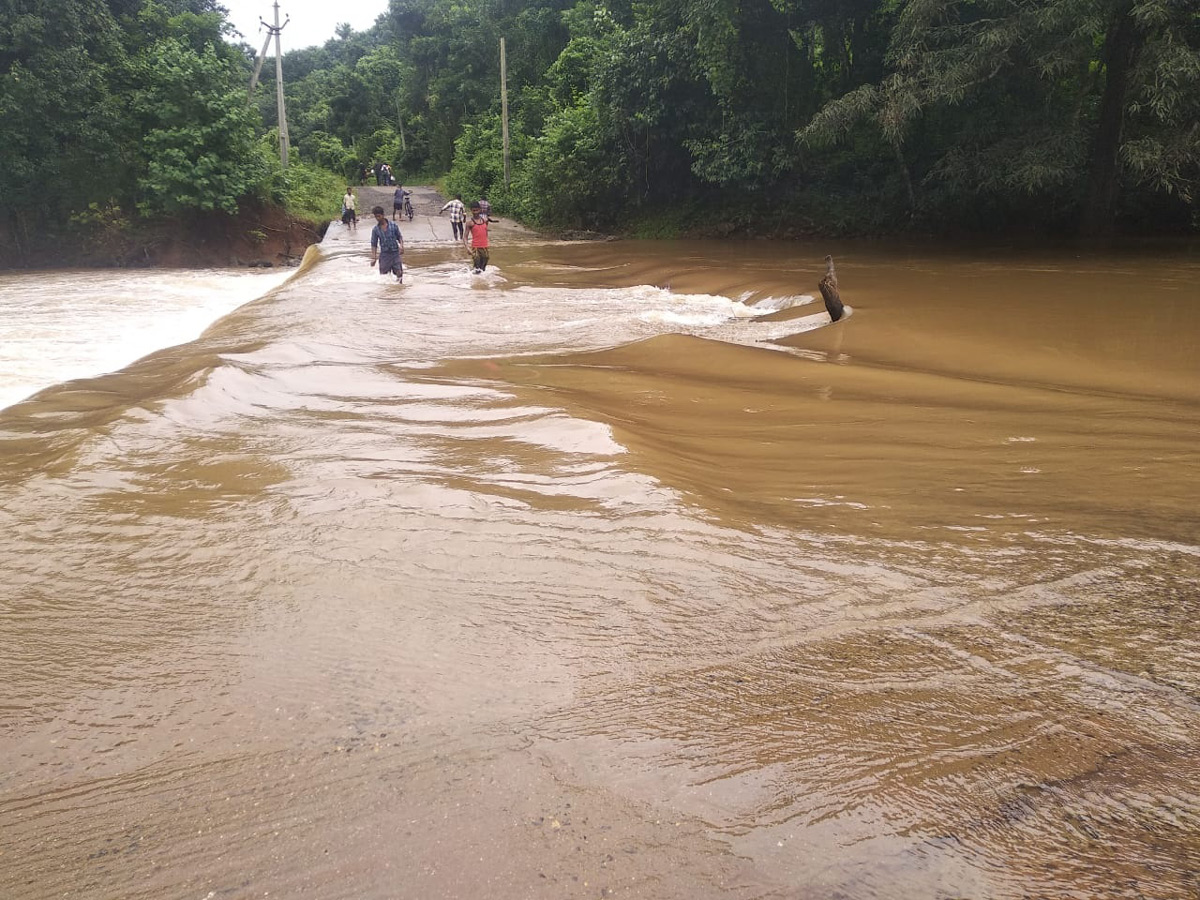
(308, 192)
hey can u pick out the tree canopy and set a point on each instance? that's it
(781, 116)
(121, 108)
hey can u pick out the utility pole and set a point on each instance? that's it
(504, 109)
(283, 132)
(258, 63)
(273, 32)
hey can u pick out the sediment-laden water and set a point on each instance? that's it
(616, 571)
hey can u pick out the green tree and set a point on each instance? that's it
(570, 177)
(122, 106)
(1027, 109)
(59, 118)
(198, 146)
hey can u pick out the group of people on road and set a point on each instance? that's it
(387, 243)
(381, 170)
(401, 206)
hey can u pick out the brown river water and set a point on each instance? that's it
(619, 571)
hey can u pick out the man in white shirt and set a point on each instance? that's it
(349, 210)
(458, 215)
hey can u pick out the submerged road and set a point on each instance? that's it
(429, 225)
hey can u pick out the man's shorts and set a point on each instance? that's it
(348, 216)
(479, 258)
(390, 262)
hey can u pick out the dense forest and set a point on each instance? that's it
(660, 116)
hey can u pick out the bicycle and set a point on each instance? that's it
(408, 210)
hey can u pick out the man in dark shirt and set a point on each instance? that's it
(387, 245)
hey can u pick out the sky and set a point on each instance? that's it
(312, 21)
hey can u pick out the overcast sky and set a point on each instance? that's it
(312, 21)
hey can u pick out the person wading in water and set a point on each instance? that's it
(476, 238)
(387, 245)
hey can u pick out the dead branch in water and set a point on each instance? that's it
(829, 292)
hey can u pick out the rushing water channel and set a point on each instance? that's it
(617, 571)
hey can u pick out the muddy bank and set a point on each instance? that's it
(259, 236)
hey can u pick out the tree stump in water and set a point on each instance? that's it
(829, 292)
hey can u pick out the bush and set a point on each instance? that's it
(328, 152)
(305, 191)
(568, 179)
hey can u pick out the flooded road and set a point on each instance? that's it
(618, 571)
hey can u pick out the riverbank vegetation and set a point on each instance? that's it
(778, 117)
(129, 139)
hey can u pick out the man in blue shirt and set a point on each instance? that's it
(387, 245)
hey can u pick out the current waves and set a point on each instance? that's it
(57, 326)
(558, 582)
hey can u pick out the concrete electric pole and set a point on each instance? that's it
(504, 108)
(273, 32)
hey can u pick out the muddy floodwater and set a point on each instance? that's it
(615, 571)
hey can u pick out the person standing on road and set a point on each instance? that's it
(485, 207)
(350, 209)
(398, 201)
(458, 213)
(387, 245)
(476, 238)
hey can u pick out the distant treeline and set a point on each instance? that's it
(777, 115)
(773, 116)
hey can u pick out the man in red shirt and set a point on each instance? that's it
(475, 236)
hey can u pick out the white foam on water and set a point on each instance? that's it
(58, 326)
(775, 304)
(689, 310)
